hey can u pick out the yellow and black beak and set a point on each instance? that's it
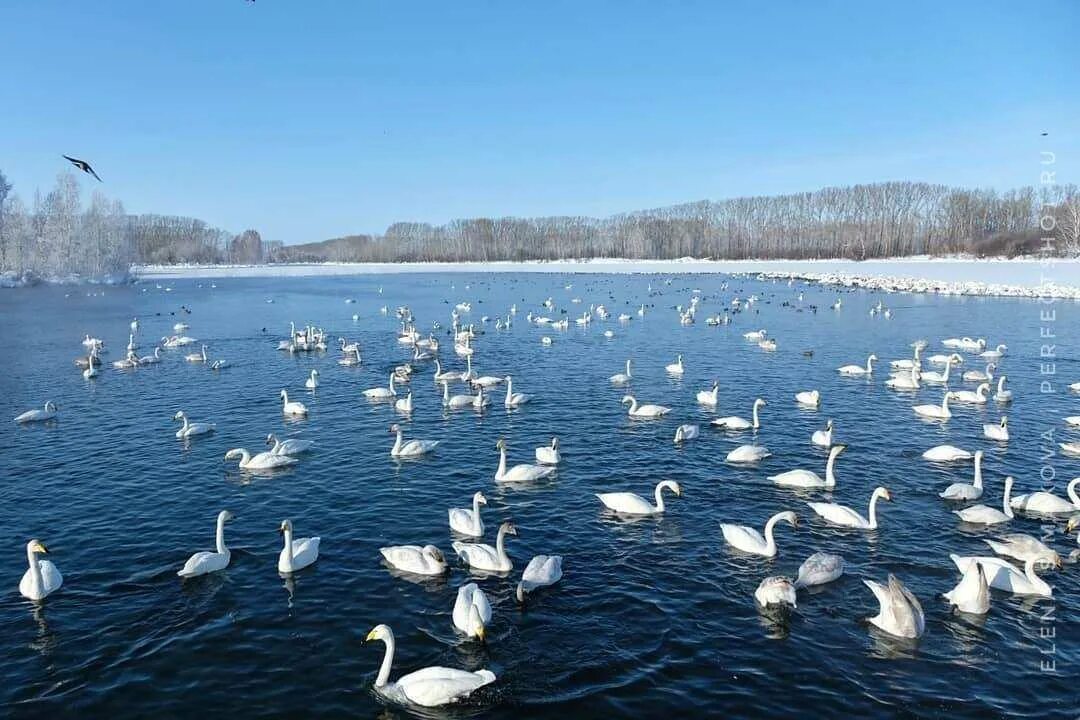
(481, 634)
(371, 636)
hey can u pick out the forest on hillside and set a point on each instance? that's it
(60, 234)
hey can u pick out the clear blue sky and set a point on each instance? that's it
(307, 119)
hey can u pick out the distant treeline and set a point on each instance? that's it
(59, 235)
(862, 221)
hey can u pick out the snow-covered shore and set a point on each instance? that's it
(1019, 277)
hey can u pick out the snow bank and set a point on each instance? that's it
(1020, 277)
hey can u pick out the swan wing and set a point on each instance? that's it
(800, 478)
(839, 514)
(51, 580)
(477, 554)
(435, 686)
(519, 473)
(743, 537)
(820, 568)
(626, 502)
(305, 551)
(542, 570)
(205, 562)
(405, 557)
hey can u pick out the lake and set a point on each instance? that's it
(653, 616)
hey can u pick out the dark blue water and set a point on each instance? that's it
(652, 616)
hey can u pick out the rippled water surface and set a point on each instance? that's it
(652, 616)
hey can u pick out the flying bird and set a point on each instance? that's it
(82, 165)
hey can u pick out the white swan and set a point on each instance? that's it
(405, 404)
(412, 448)
(808, 398)
(623, 377)
(979, 375)
(542, 571)
(808, 478)
(447, 376)
(858, 369)
(1023, 547)
(686, 432)
(845, 516)
(296, 554)
(644, 411)
(1004, 575)
(905, 381)
(675, 368)
(90, 371)
(49, 413)
(775, 590)
(480, 401)
(972, 594)
(755, 335)
(1002, 395)
(908, 364)
(964, 491)
(946, 453)
(823, 438)
(978, 397)
(472, 611)
(748, 454)
(428, 687)
(261, 461)
(426, 560)
(151, 359)
(1046, 503)
(985, 515)
(935, 412)
(519, 473)
(709, 398)
(291, 408)
(900, 612)
(818, 569)
(382, 393)
(466, 521)
(737, 423)
(997, 431)
(292, 446)
(514, 399)
(41, 577)
(313, 380)
(994, 354)
(479, 556)
(549, 454)
(190, 429)
(457, 402)
(749, 540)
(941, 378)
(627, 503)
(205, 562)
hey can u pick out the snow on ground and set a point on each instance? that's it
(1022, 277)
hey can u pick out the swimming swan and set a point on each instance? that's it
(686, 432)
(818, 569)
(858, 369)
(479, 556)
(1002, 395)
(823, 438)
(412, 448)
(542, 571)
(738, 423)
(709, 398)
(775, 590)
(808, 398)
(808, 478)
(622, 378)
(675, 368)
(428, 687)
(514, 399)
(381, 393)
(972, 594)
(1046, 503)
(1003, 575)
(997, 431)
(41, 577)
(519, 473)
(748, 454)
(292, 446)
(627, 503)
(946, 453)
(261, 461)
(749, 540)
(984, 515)
(466, 521)
(644, 411)
(549, 454)
(292, 408)
(845, 516)
(900, 612)
(1022, 547)
(190, 429)
(205, 562)
(296, 554)
(964, 491)
(313, 380)
(967, 396)
(935, 412)
(426, 560)
(49, 413)
(472, 611)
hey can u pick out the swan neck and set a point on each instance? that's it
(830, 477)
(757, 423)
(1006, 506)
(502, 469)
(220, 536)
(288, 545)
(873, 510)
(500, 546)
(1070, 490)
(387, 662)
(978, 472)
(397, 442)
(35, 569)
(659, 494)
(770, 542)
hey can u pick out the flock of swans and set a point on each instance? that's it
(1012, 567)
